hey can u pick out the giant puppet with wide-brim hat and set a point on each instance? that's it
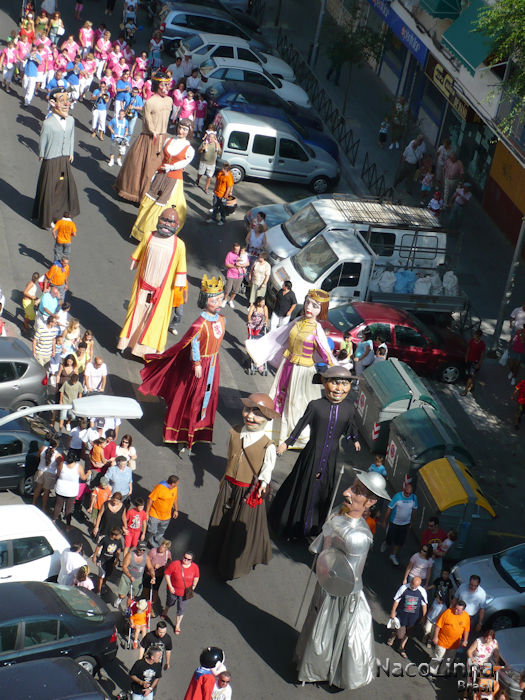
(56, 191)
(187, 374)
(295, 349)
(144, 157)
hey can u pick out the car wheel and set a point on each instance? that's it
(26, 485)
(237, 173)
(320, 185)
(21, 405)
(503, 620)
(449, 374)
(88, 663)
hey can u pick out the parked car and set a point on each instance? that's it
(215, 70)
(503, 579)
(276, 214)
(20, 442)
(203, 46)
(49, 679)
(427, 349)
(185, 19)
(237, 9)
(30, 544)
(43, 620)
(23, 382)
(229, 93)
(511, 644)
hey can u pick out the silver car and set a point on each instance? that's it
(511, 644)
(503, 579)
(23, 382)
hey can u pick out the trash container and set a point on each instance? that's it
(386, 390)
(447, 488)
(416, 438)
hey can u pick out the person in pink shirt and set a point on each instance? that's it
(102, 49)
(138, 83)
(86, 37)
(7, 64)
(61, 60)
(178, 96)
(129, 54)
(42, 38)
(23, 47)
(99, 31)
(119, 68)
(453, 171)
(44, 53)
(140, 66)
(87, 75)
(71, 46)
(114, 56)
(147, 92)
(188, 107)
(201, 107)
(110, 82)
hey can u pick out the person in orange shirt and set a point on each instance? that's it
(58, 275)
(99, 496)
(161, 507)
(450, 632)
(139, 621)
(223, 189)
(63, 231)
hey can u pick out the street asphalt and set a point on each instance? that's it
(254, 618)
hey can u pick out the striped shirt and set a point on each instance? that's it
(44, 338)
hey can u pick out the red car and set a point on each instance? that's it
(427, 349)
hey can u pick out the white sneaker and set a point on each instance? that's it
(232, 305)
(223, 304)
(119, 161)
(513, 381)
(68, 427)
(391, 147)
(174, 331)
(111, 164)
(509, 375)
(220, 223)
(394, 559)
(210, 221)
(397, 144)
(383, 547)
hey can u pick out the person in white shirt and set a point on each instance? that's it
(476, 598)
(223, 689)
(517, 318)
(409, 162)
(194, 81)
(70, 561)
(187, 65)
(95, 375)
(177, 70)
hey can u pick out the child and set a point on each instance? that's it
(381, 354)
(180, 297)
(436, 204)
(243, 260)
(55, 362)
(443, 587)
(427, 183)
(98, 461)
(139, 621)
(201, 107)
(82, 579)
(136, 519)
(347, 343)
(106, 553)
(62, 318)
(100, 109)
(99, 496)
(344, 361)
(371, 515)
(384, 128)
(187, 109)
(71, 336)
(377, 466)
(118, 128)
(381, 345)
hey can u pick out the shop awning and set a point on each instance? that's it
(442, 9)
(461, 38)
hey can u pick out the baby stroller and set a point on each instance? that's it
(136, 607)
(252, 369)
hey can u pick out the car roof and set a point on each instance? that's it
(49, 679)
(21, 519)
(262, 125)
(245, 87)
(372, 312)
(221, 39)
(344, 246)
(13, 349)
(237, 63)
(190, 8)
(22, 599)
(370, 211)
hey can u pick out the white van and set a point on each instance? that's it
(268, 148)
(30, 544)
(388, 228)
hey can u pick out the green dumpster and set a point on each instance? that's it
(386, 390)
(416, 438)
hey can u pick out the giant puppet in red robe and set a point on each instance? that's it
(202, 682)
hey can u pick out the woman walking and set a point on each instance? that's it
(29, 300)
(46, 473)
(112, 514)
(182, 577)
(159, 558)
(69, 473)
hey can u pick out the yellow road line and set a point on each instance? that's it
(506, 534)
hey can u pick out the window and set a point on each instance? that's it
(512, 566)
(180, 20)
(257, 78)
(21, 369)
(247, 55)
(238, 140)
(233, 74)
(264, 145)
(314, 259)
(8, 637)
(79, 603)
(223, 52)
(7, 372)
(345, 275)
(381, 330)
(382, 243)
(10, 445)
(196, 22)
(424, 247)
(40, 632)
(4, 555)
(218, 74)
(291, 149)
(303, 226)
(28, 549)
(409, 337)
(63, 631)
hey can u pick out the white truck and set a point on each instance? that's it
(363, 250)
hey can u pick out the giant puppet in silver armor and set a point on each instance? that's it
(336, 642)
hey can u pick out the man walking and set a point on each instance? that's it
(451, 631)
(475, 598)
(259, 276)
(159, 638)
(44, 341)
(235, 270)
(95, 375)
(145, 674)
(285, 303)
(223, 189)
(453, 171)
(161, 508)
(410, 605)
(209, 150)
(58, 276)
(399, 517)
(409, 162)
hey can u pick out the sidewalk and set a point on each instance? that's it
(486, 252)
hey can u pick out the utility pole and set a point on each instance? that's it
(509, 285)
(315, 46)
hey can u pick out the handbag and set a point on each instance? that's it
(61, 31)
(188, 590)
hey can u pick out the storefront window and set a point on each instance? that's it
(394, 52)
(433, 102)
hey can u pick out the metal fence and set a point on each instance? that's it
(324, 104)
(374, 181)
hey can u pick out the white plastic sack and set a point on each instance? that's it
(393, 623)
(504, 359)
(436, 285)
(450, 284)
(387, 281)
(373, 285)
(423, 285)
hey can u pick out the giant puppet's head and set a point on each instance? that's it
(60, 102)
(160, 83)
(337, 382)
(364, 492)
(316, 304)
(211, 294)
(212, 658)
(258, 410)
(185, 129)
(168, 223)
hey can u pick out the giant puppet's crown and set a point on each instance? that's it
(211, 286)
(319, 295)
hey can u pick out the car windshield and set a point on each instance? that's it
(38, 426)
(298, 127)
(344, 317)
(314, 259)
(511, 565)
(303, 226)
(262, 58)
(423, 329)
(294, 207)
(192, 43)
(79, 603)
(275, 81)
(207, 66)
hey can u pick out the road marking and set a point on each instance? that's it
(506, 534)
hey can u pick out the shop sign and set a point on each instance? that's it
(446, 86)
(407, 37)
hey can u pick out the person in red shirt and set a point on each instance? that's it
(136, 519)
(519, 393)
(180, 575)
(473, 359)
(434, 534)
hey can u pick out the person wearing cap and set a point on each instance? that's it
(301, 505)
(144, 157)
(56, 191)
(459, 201)
(238, 538)
(133, 566)
(336, 643)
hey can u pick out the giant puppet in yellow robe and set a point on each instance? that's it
(160, 261)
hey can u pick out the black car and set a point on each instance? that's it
(43, 620)
(49, 679)
(20, 442)
(228, 93)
